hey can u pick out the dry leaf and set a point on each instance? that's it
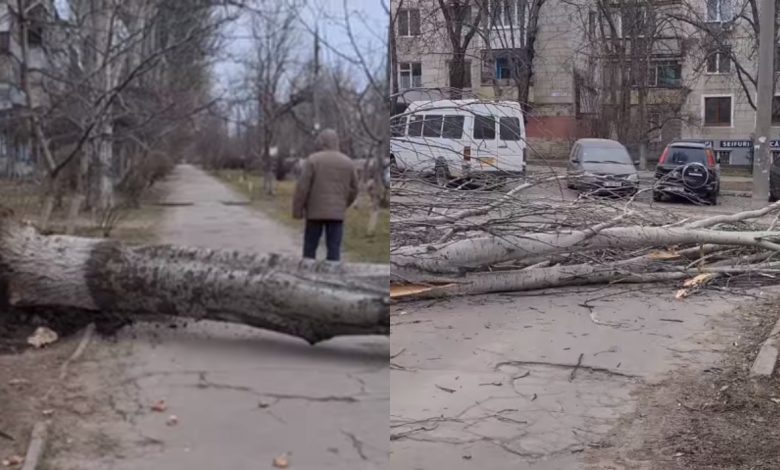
(159, 406)
(172, 420)
(13, 461)
(42, 337)
(698, 280)
(281, 462)
(682, 293)
(47, 412)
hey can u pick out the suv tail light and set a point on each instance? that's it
(710, 158)
(467, 153)
(663, 156)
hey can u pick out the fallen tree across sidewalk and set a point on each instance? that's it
(453, 242)
(304, 298)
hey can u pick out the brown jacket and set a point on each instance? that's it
(327, 186)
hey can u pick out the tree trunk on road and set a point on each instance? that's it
(308, 299)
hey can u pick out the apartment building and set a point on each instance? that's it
(16, 150)
(629, 70)
(423, 54)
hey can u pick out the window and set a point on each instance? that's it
(408, 22)
(5, 41)
(484, 127)
(719, 11)
(503, 72)
(633, 22)
(509, 13)
(656, 127)
(461, 13)
(467, 73)
(723, 156)
(509, 128)
(719, 62)
(776, 111)
(35, 35)
(717, 111)
(410, 75)
(666, 74)
(432, 125)
(398, 126)
(415, 126)
(681, 155)
(501, 64)
(453, 127)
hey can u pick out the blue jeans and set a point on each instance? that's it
(334, 232)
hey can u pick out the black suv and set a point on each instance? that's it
(689, 170)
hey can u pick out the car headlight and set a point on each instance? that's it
(633, 178)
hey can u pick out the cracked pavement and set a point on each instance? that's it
(242, 396)
(536, 381)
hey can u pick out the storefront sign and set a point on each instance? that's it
(736, 144)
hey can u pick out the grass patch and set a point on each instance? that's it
(358, 246)
(135, 225)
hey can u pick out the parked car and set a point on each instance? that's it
(601, 166)
(459, 138)
(689, 170)
(774, 179)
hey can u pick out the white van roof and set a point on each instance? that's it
(499, 108)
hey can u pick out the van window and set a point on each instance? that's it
(484, 127)
(510, 128)
(398, 126)
(415, 126)
(432, 125)
(453, 127)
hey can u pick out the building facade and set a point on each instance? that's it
(17, 156)
(644, 73)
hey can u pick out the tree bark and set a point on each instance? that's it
(485, 251)
(308, 299)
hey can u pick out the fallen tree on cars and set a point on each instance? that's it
(447, 241)
(309, 299)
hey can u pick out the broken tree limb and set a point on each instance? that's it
(484, 251)
(304, 298)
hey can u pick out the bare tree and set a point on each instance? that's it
(110, 88)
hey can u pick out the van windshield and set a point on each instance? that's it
(615, 155)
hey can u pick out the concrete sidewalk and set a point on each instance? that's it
(242, 396)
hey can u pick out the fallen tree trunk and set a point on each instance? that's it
(304, 298)
(485, 251)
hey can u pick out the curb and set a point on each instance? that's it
(37, 445)
(765, 361)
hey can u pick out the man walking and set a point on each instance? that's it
(327, 186)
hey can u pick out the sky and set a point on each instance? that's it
(367, 18)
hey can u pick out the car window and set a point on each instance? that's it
(415, 126)
(484, 127)
(432, 125)
(606, 155)
(398, 126)
(453, 127)
(685, 155)
(509, 128)
(574, 150)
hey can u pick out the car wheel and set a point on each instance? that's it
(658, 196)
(772, 195)
(713, 199)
